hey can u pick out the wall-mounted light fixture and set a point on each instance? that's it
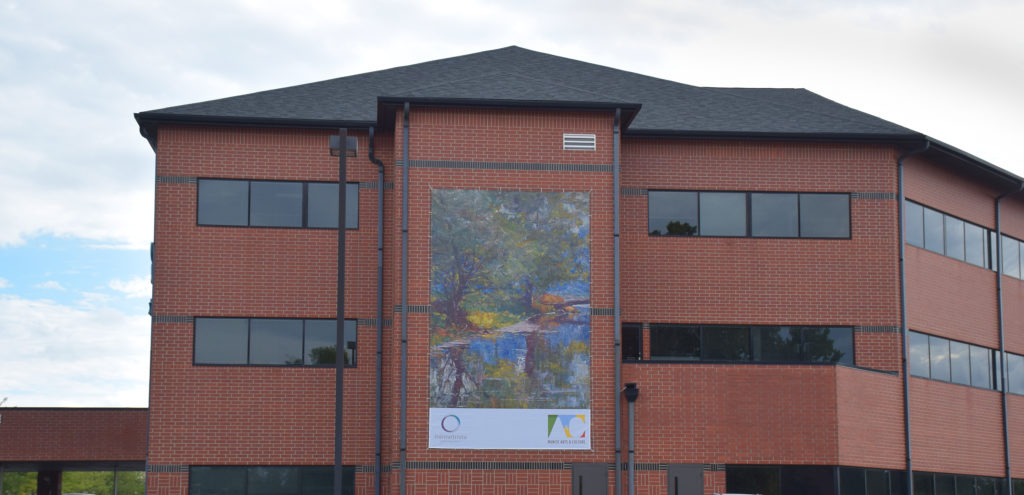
(351, 145)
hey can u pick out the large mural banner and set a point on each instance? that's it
(510, 320)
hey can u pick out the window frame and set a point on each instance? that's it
(248, 204)
(993, 362)
(751, 350)
(748, 198)
(248, 343)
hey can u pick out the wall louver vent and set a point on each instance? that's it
(579, 141)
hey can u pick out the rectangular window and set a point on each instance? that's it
(959, 363)
(1011, 257)
(275, 204)
(675, 342)
(938, 349)
(1015, 374)
(824, 215)
(933, 231)
(914, 218)
(981, 367)
(632, 342)
(267, 480)
(828, 345)
(945, 484)
(725, 214)
(918, 350)
(271, 341)
(725, 343)
(974, 244)
(777, 344)
(954, 238)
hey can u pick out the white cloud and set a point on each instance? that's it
(5, 284)
(56, 355)
(50, 284)
(138, 287)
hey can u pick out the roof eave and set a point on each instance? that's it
(149, 122)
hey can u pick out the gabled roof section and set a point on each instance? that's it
(517, 76)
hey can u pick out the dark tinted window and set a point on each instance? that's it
(275, 204)
(774, 215)
(965, 485)
(631, 341)
(273, 341)
(974, 244)
(1018, 486)
(954, 238)
(945, 484)
(723, 214)
(981, 367)
(323, 205)
(1011, 257)
(807, 479)
(824, 215)
(915, 224)
(221, 340)
(675, 342)
(761, 480)
(777, 344)
(221, 480)
(985, 486)
(726, 343)
(959, 363)
(1015, 373)
(827, 345)
(877, 482)
(933, 227)
(321, 345)
(924, 484)
(919, 355)
(320, 480)
(223, 202)
(851, 481)
(273, 481)
(672, 213)
(939, 355)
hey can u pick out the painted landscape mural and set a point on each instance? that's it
(510, 299)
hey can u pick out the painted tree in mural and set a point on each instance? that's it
(511, 269)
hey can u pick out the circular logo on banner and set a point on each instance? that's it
(450, 423)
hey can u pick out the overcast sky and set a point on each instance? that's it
(76, 179)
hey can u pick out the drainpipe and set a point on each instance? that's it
(380, 314)
(339, 361)
(903, 310)
(1002, 348)
(405, 294)
(631, 393)
(617, 356)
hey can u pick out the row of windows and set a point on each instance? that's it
(790, 344)
(748, 214)
(271, 341)
(275, 203)
(967, 364)
(959, 239)
(267, 480)
(784, 480)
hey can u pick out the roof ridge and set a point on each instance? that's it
(804, 109)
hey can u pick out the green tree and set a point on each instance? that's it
(19, 483)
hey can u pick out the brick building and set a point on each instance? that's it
(552, 268)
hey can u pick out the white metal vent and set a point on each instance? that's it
(579, 142)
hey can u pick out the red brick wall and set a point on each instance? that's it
(955, 428)
(72, 434)
(870, 417)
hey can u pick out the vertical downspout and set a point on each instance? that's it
(405, 293)
(1002, 348)
(339, 361)
(618, 330)
(380, 316)
(903, 311)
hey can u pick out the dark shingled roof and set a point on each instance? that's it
(517, 75)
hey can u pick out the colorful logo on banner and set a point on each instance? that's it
(450, 423)
(567, 428)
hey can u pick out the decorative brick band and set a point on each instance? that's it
(414, 308)
(172, 179)
(876, 329)
(873, 195)
(646, 466)
(487, 466)
(602, 311)
(373, 185)
(166, 468)
(370, 469)
(554, 167)
(633, 191)
(372, 322)
(714, 467)
(171, 319)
